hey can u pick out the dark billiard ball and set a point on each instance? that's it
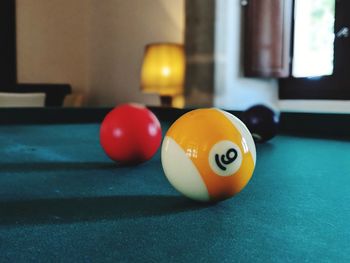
(130, 134)
(262, 122)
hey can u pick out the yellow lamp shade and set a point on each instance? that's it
(163, 69)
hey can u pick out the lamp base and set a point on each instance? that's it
(166, 101)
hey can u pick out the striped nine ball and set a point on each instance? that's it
(208, 155)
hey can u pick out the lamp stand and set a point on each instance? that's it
(166, 101)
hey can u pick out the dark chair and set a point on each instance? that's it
(55, 93)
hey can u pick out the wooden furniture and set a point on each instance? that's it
(55, 93)
(22, 99)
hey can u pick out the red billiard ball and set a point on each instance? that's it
(130, 134)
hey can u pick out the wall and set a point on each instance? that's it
(97, 46)
(199, 48)
(52, 42)
(119, 32)
(232, 90)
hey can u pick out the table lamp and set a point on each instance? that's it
(163, 71)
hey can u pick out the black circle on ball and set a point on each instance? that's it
(262, 122)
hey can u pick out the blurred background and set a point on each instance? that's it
(182, 53)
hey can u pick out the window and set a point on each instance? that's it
(313, 53)
(316, 42)
(337, 84)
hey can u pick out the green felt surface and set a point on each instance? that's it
(62, 200)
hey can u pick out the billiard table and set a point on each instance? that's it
(63, 200)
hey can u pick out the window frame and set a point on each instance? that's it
(334, 87)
